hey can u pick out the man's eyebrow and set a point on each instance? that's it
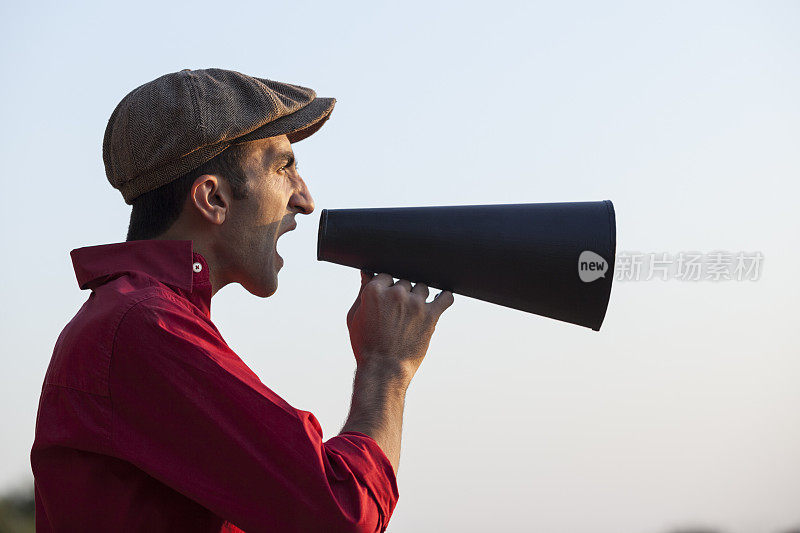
(285, 159)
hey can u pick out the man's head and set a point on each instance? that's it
(206, 155)
(234, 209)
(154, 212)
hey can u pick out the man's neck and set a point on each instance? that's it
(205, 249)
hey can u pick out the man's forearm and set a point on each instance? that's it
(377, 407)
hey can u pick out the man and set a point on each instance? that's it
(148, 421)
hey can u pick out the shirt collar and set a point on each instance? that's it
(173, 263)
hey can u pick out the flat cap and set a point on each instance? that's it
(175, 123)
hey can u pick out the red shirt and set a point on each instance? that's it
(148, 421)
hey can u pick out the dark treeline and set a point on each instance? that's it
(16, 512)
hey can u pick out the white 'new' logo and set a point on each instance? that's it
(591, 266)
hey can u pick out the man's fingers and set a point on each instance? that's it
(404, 283)
(383, 279)
(421, 289)
(442, 301)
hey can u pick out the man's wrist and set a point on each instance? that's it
(387, 372)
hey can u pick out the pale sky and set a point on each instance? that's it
(683, 410)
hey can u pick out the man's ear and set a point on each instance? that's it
(211, 197)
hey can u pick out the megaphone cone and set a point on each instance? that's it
(554, 260)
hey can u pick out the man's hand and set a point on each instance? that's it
(390, 329)
(391, 325)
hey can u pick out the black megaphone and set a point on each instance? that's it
(551, 259)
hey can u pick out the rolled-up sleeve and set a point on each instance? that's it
(188, 411)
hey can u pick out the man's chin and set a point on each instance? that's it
(264, 293)
(264, 289)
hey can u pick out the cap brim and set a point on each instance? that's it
(296, 126)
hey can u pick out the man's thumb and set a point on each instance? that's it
(366, 276)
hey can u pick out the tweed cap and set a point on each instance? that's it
(175, 123)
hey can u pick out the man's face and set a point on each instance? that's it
(276, 193)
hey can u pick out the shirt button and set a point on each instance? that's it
(197, 267)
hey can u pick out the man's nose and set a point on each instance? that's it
(302, 200)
